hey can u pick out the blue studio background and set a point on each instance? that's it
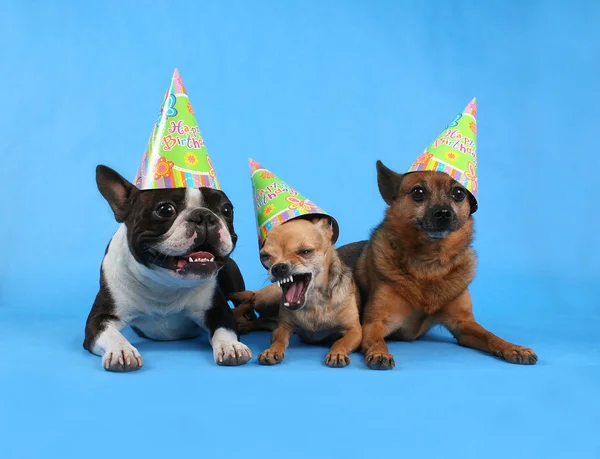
(316, 92)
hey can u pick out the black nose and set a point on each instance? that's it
(443, 214)
(280, 270)
(203, 217)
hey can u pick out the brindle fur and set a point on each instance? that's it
(411, 282)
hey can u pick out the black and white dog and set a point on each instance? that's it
(166, 272)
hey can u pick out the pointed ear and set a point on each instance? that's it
(324, 225)
(116, 190)
(388, 182)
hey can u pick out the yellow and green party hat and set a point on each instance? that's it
(176, 156)
(275, 203)
(454, 151)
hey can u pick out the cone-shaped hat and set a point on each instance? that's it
(176, 156)
(275, 203)
(454, 151)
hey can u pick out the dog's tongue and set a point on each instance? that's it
(294, 292)
(194, 255)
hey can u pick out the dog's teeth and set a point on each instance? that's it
(191, 260)
(286, 304)
(290, 279)
(279, 283)
(212, 259)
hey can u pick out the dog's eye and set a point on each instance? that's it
(265, 258)
(305, 252)
(459, 194)
(227, 210)
(165, 211)
(418, 193)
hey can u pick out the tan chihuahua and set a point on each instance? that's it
(313, 290)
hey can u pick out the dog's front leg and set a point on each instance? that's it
(458, 318)
(383, 308)
(280, 341)
(222, 333)
(103, 337)
(265, 302)
(338, 356)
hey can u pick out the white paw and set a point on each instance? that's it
(231, 353)
(123, 357)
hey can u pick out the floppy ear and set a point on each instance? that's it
(324, 225)
(388, 182)
(116, 190)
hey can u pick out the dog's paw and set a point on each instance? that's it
(380, 360)
(244, 326)
(337, 360)
(270, 357)
(231, 353)
(122, 358)
(244, 311)
(518, 354)
(239, 298)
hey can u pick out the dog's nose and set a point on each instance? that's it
(280, 270)
(203, 217)
(443, 214)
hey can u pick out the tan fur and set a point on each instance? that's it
(412, 282)
(330, 313)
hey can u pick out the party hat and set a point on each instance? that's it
(454, 151)
(176, 156)
(275, 203)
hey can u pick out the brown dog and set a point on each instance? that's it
(314, 295)
(415, 270)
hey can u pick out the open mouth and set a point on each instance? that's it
(294, 290)
(198, 262)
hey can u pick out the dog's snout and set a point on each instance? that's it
(438, 220)
(280, 270)
(203, 217)
(443, 213)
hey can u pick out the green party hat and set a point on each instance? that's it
(454, 151)
(275, 203)
(176, 156)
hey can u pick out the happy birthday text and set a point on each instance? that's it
(456, 141)
(180, 133)
(270, 192)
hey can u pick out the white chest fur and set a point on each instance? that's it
(153, 299)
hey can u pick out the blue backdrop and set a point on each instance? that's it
(316, 92)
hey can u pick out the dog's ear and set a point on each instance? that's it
(473, 204)
(388, 182)
(116, 190)
(324, 225)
